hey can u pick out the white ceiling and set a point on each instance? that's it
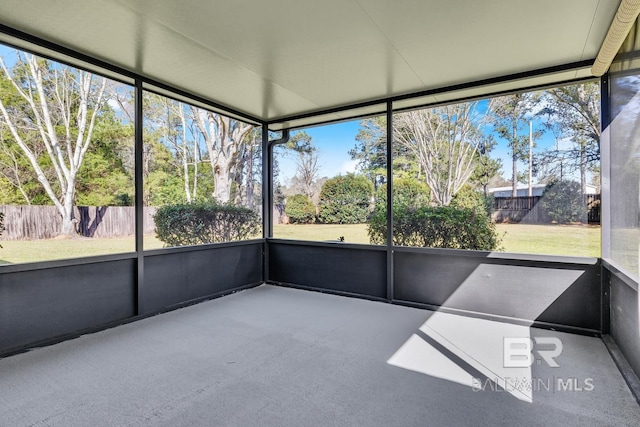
(278, 58)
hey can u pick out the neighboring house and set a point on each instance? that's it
(537, 190)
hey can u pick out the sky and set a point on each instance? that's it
(334, 142)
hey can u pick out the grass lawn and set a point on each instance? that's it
(352, 233)
(572, 240)
(569, 240)
(20, 251)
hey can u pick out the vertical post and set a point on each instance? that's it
(267, 183)
(267, 195)
(605, 167)
(139, 199)
(605, 200)
(390, 275)
(530, 158)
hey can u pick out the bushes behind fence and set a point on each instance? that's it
(195, 224)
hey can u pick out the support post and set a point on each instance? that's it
(390, 276)
(139, 199)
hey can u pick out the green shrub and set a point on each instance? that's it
(406, 192)
(563, 202)
(436, 227)
(345, 200)
(469, 198)
(199, 223)
(300, 209)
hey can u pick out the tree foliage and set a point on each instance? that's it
(510, 115)
(370, 151)
(573, 114)
(469, 198)
(201, 223)
(436, 227)
(345, 199)
(300, 209)
(563, 202)
(406, 192)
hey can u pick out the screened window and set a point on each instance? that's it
(329, 183)
(66, 171)
(201, 173)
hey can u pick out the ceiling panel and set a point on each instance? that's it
(280, 58)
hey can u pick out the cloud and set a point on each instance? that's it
(564, 143)
(349, 166)
(114, 105)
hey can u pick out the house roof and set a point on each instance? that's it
(280, 61)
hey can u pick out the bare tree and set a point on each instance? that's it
(444, 140)
(59, 109)
(224, 138)
(307, 170)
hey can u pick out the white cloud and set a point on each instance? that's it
(349, 166)
(564, 143)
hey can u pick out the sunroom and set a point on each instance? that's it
(299, 213)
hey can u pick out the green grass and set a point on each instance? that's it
(20, 251)
(352, 233)
(571, 240)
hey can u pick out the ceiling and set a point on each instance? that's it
(275, 59)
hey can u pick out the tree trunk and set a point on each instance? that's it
(583, 168)
(222, 181)
(249, 175)
(514, 178)
(68, 223)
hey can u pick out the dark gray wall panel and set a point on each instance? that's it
(175, 277)
(333, 267)
(625, 328)
(46, 303)
(552, 292)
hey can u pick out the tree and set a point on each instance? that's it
(444, 141)
(300, 209)
(574, 114)
(307, 170)
(345, 199)
(487, 168)
(58, 109)
(225, 139)
(510, 114)
(306, 179)
(563, 202)
(370, 150)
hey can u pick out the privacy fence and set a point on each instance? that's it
(528, 210)
(23, 222)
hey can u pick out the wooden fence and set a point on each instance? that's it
(24, 222)
(528, 210)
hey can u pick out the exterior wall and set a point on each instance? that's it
(625, 319)
(559, 292)
(51, 301)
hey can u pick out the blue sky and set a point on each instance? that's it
(334, 142)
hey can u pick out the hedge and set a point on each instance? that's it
(200, 223)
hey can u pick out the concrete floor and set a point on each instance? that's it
(274, 356)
